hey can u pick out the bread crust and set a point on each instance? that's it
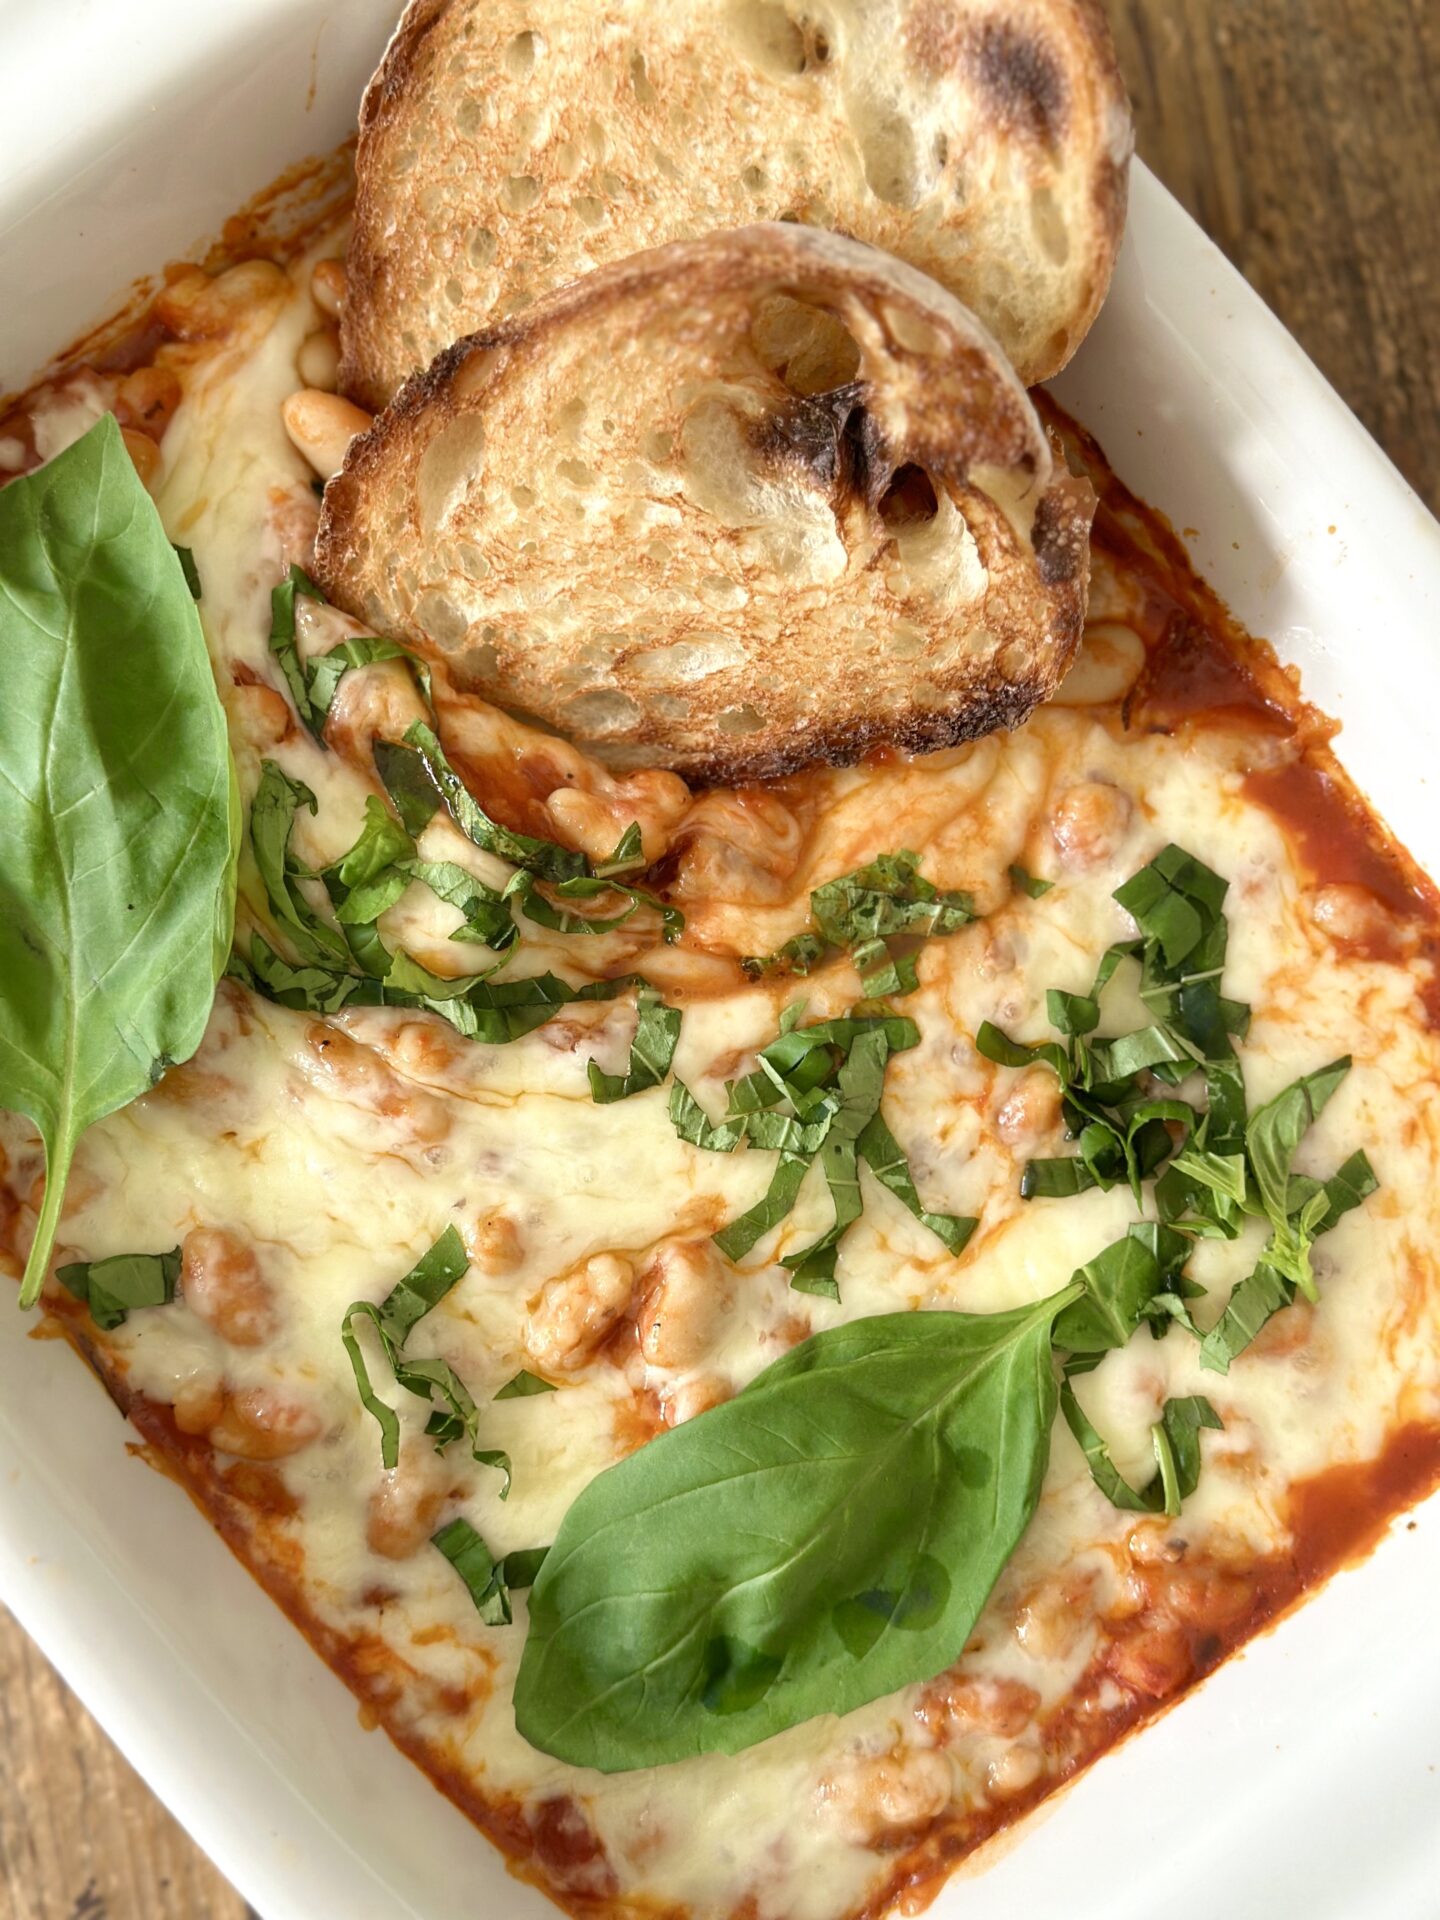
(730, 506)
(508, 148)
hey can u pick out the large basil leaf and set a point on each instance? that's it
(119, 818)
(827, 1536)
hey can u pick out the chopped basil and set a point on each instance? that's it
(523, 1385)
(111, 1288)
(282, 640)
(1121, 1284)
(651, 1052)
(831, 1076)
(312, 683)
(403, 1307)
(277, 800)
(418, 775)
(489, 1581)
(628, 855)
(860, 911)
(1027, 883)
(1175, 1439)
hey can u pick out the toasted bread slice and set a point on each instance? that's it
(728, 506)
(511, 146)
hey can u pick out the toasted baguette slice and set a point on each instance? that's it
(511, 146)
(729, 506)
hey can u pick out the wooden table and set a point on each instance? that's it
(1303, 135)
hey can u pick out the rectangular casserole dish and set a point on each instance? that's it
(1304, 1770)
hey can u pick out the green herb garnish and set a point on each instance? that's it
(112, 1288)
(407, 1303)
(828, 1536)
(489, 1581)
(119, 816)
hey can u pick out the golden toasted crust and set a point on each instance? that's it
(729, 506)
(509, 147)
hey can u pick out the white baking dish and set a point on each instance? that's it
(1303, 1778)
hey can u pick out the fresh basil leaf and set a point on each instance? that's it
(521, 1567)
(477, 1567)
(994, 1045)
(1139, 1052)
(111, 1288)
(657, 1034)
(119, 816)
(888, 896)
(1056, 1179)
(371, 877)
(825, 1538)
(1175, 1439)
(861, 1081)
(523, 1385)
(189, 569)
(1027, 883)
(406, 778)
(860, 911)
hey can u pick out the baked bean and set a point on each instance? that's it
(1283, 1336)
(321, 427)
(1030, 1114)
(889, 1793)
(426, 1047)
(147, 399)
(494, 1244)
(957, 1704)
(327, 286)
(1052, 1616)
(354, 1073)
(1089, 822)
(373, 703)
(688, 1294)
(318, 360)
(404, 1509)
(1356, 922)
(742, 847)
(263, 1423)
(144, 454)
(221, 1280)
(695, 1393)
(1015, 1770)
(196, 306)
(1208, 1600)
(576, 1310)
(1152, 1661)
(593, 818)
(198, 1405)
(269, 718)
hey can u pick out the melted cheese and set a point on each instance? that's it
(339, 1189)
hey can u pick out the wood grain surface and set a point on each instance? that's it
(1305, 136)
